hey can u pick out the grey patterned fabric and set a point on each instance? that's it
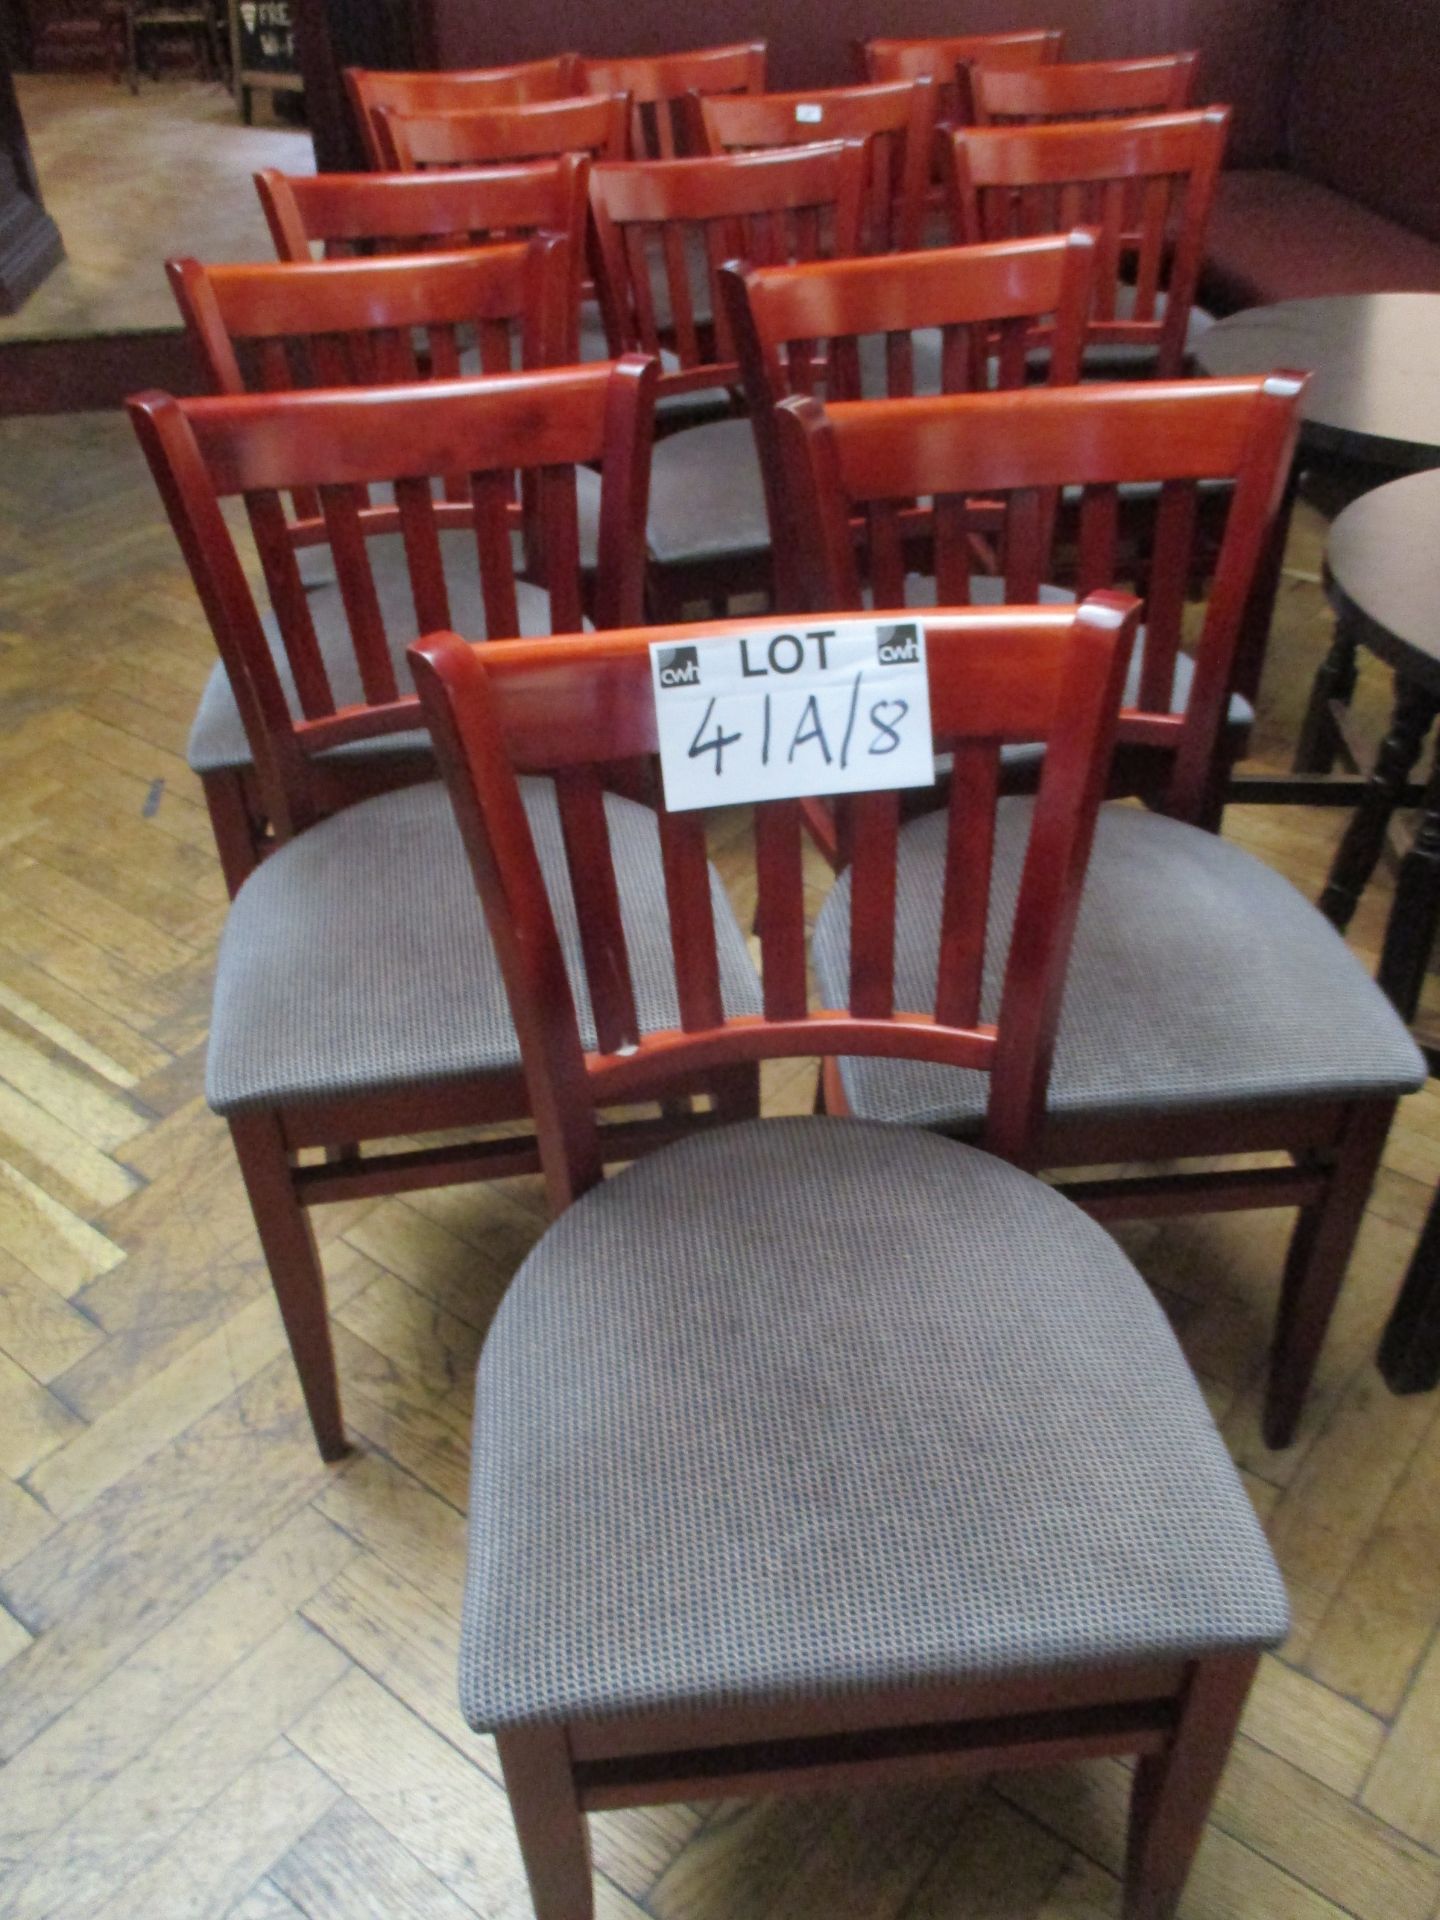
(217, 736)
(707, 499)
(1198, 977)
(808, 1406)
(357, 959)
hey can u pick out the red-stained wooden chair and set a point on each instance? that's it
(675, 223)
(951, 320)
(811, 1453)
(897, 122)
(660, 87)
(949, 59)
(278, 328)
(372, 88)
(345, 214)
(493, 136)
(1145, 184)
(357, 999)
(1209, 1010)
(1083, 90)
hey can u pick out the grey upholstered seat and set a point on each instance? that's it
(217, 735)
(808, 1406)
(707, 499)
(1198, 977)
(356, 958)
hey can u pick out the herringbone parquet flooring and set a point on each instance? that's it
(226, 1672)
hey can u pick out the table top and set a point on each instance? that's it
(1374, 361)
(1383, 562)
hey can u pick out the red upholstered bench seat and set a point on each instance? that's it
(1279, 236)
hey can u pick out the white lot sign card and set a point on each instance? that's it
(787, 713)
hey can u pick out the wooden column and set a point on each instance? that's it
(29, 239)
(333, 34)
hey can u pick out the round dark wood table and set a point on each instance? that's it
(1374, 362)
(1383, 568)
(1371, 408)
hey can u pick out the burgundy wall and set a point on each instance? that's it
(1367, 104)
(1243, 43)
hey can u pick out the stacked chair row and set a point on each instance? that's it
(818, 1447)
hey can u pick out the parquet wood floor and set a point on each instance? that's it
(227, 1672)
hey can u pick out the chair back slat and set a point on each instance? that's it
(581, 802)
(421, 534)
(872, 823)
(1082, 90)
(1146, 184)
(1172, 566)
(372, 89)
(678, 218)
(662, 87)
(1048, 674)
(349, 214)
(341, 506)
(847, 464)
(692, 920)
(896, 121)
(969, 860)
(338, 443)
(950, 59)
(486, 136)
(780, 909)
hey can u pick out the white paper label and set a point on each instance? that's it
(809, 112)
(786, 713)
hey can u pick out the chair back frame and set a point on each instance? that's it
(348, 214)
(371, 88)
(1145, 184)
(896, 119)
(771, 206)
(798, 329)
(948, 60)
(660, 87)
(597, 124)
(338, 323)
(337, 443)
(1083, 89)
(870, 461)
(568, 707)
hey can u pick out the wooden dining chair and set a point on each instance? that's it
(1083, 89)
(897, 123)
(357, 1001)
(1146, 184)
(1209, 1009)
(373, 88)
(946, 320)
(491, 136)
(339, 215)
(948, 60)
(671, 225)
(660, 87)
(357, 323)
(808, 1453)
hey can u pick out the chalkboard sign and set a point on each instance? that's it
(262, 49)
(267, 37)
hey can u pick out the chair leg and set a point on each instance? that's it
(551, 1829)
(236, 830)
(1315, 1266)
(293, 1258)
(1173, 1790)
